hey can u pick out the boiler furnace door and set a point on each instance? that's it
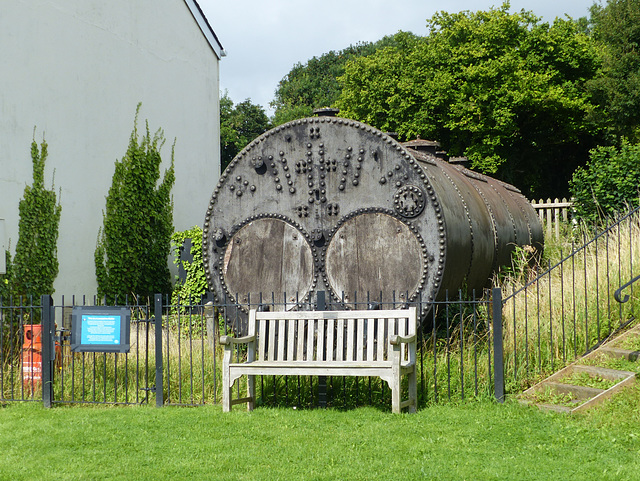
(373, 253)
(265, 256)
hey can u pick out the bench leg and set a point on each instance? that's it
(413, 391)
(226, 391)
(251, 392)
(395, 393)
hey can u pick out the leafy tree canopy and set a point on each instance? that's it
(616, 27)
(501, 88)
(314, 84)
(239, 125)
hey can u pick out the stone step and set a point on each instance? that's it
(577, 393)
(586, 397)
(617, 353)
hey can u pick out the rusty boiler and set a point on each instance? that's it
(330, 204)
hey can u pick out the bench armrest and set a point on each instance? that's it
(396, 340)
(230, 341)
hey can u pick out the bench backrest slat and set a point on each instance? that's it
(308, 356)
(300, 345)
(330, 336)
(370, 339)
(291, 338)
(331, 323)
(340, 340)
(381, 335)
(320, 341)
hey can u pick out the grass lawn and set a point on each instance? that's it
(474, 441)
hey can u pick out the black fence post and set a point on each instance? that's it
(158, 331)
(48, 349)
(498, 356)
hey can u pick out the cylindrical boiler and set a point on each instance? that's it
(330, 204)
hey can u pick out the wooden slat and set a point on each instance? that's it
(382, 339)
(351, 325)
(340, 341)
(331, 324)
(360, 340)
(388, 313)
(291, 339)
(371, 323)
(271, 348)
(282, 338)
(402, 331)
(320, 341)
(300, 346)
(262, 338)
(310, 335)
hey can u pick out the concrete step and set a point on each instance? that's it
(584, 397)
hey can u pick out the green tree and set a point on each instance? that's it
(134, 243)
(239, 125)
(35, 265)
(616, 27)
(501, 88)
(314, 84)
(609, 183)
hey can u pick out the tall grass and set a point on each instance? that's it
(191, 374)
(556, 312)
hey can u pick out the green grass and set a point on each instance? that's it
(619, 364)
(550, 396)
(631, 343)
(585, 379)
(475, 441)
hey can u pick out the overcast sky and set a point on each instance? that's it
(265, 38)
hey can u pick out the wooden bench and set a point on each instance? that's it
(325, 343)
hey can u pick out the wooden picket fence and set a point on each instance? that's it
(552, 213)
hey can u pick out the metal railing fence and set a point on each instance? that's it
(175, 356)
(554, 314)
(470, 345)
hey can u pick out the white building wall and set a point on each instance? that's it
(75, 70)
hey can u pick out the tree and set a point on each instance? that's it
(314, 84)
(239, 125)
(35, 265)
(134, 243)
(609, 183)
(503, 89)
(616, 27)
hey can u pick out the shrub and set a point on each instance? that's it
(133, 245)
(609, 182)
(35, 264)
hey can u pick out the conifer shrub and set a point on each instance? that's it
(134, 242)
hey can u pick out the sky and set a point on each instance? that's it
(264, 39)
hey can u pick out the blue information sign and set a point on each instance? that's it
(100, 329)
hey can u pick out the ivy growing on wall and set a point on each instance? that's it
(195, 284)
(134, 242)
(35, 265)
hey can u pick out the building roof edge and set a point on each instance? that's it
(205, 27)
